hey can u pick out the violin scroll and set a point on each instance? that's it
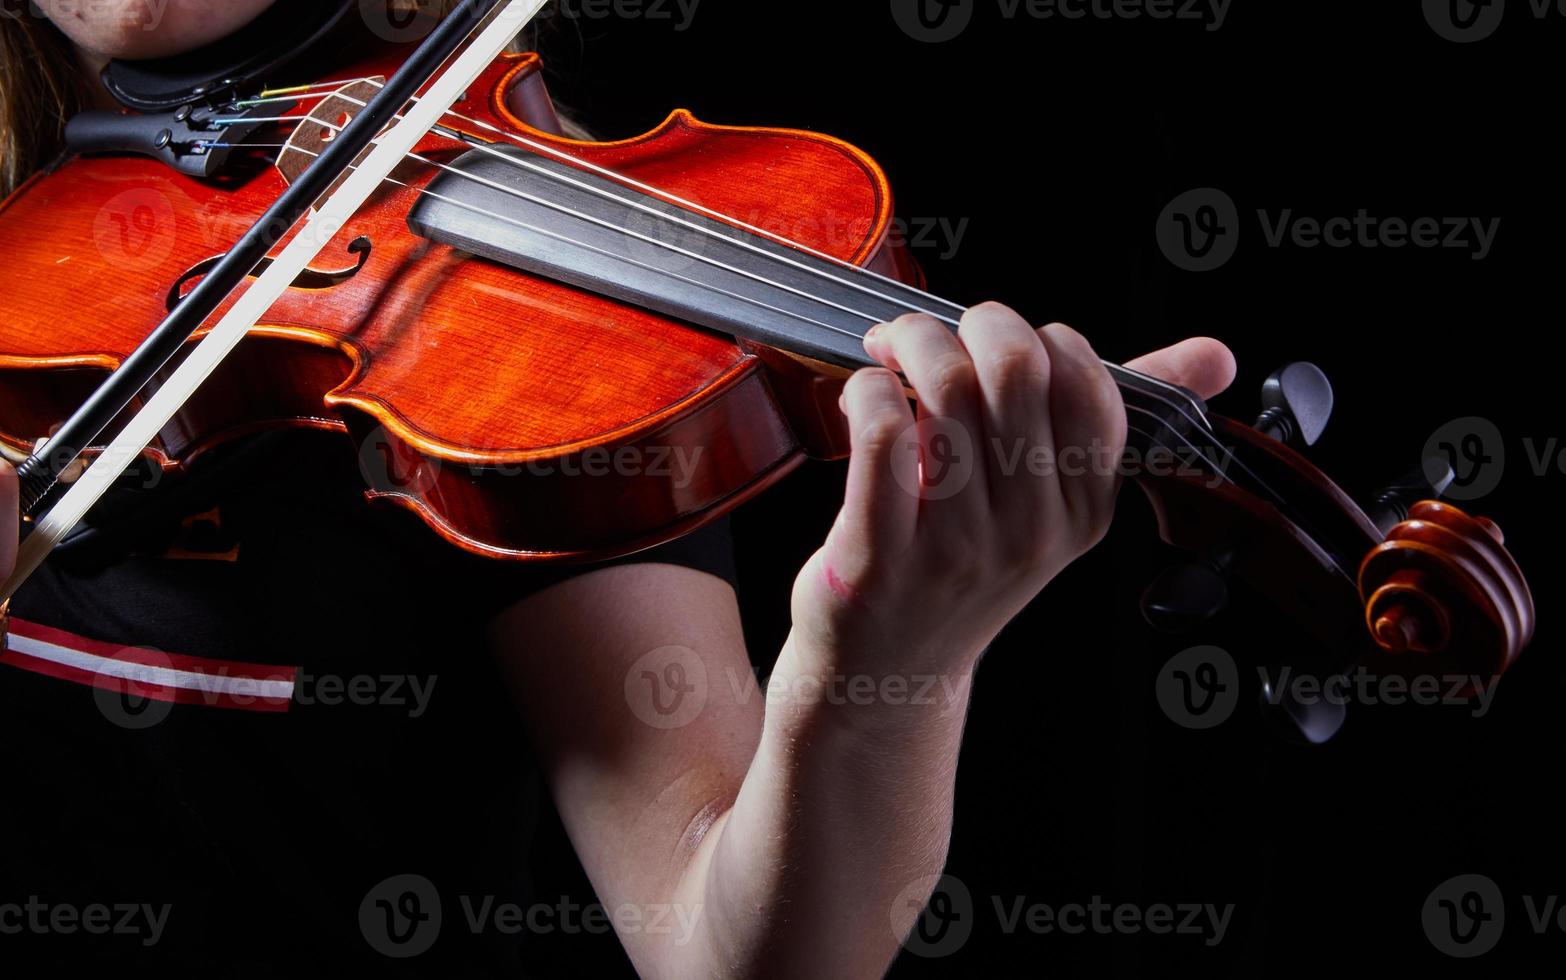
(1442, 595)
(1414, 587)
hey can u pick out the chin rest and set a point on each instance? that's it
(282, 34)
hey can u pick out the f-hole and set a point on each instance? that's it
(308, 279)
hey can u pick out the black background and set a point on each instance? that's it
(1059, 143)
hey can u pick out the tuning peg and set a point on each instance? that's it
(1314, 722)
(1185, 595)
(1296, 403)
(1390, 505)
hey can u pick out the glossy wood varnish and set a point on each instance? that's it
(518, 417)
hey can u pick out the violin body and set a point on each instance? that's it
(519, 417)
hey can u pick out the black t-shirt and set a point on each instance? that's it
(324, 720)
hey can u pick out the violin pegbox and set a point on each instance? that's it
(1414, 588)
(1439, 585)
(1296, 405)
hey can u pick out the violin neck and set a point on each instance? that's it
(553, 220)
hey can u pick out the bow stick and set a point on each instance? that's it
(38, 473)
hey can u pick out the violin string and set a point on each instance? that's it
(565, 239)
(257, 119)
(1217, 467)
(519, 194)
(1174, 395)
(1184, 443)
(285, 93)
(1178, 405)
(857, 272)
(281, 94)
(634, 184)
(252, 103)
(1198, 423)
(869, 318)
(582, 216)
(629, 202)
(620, 230)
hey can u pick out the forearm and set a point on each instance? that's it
(787, 833)
(846, 805)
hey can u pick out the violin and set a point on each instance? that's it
(558, 350)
